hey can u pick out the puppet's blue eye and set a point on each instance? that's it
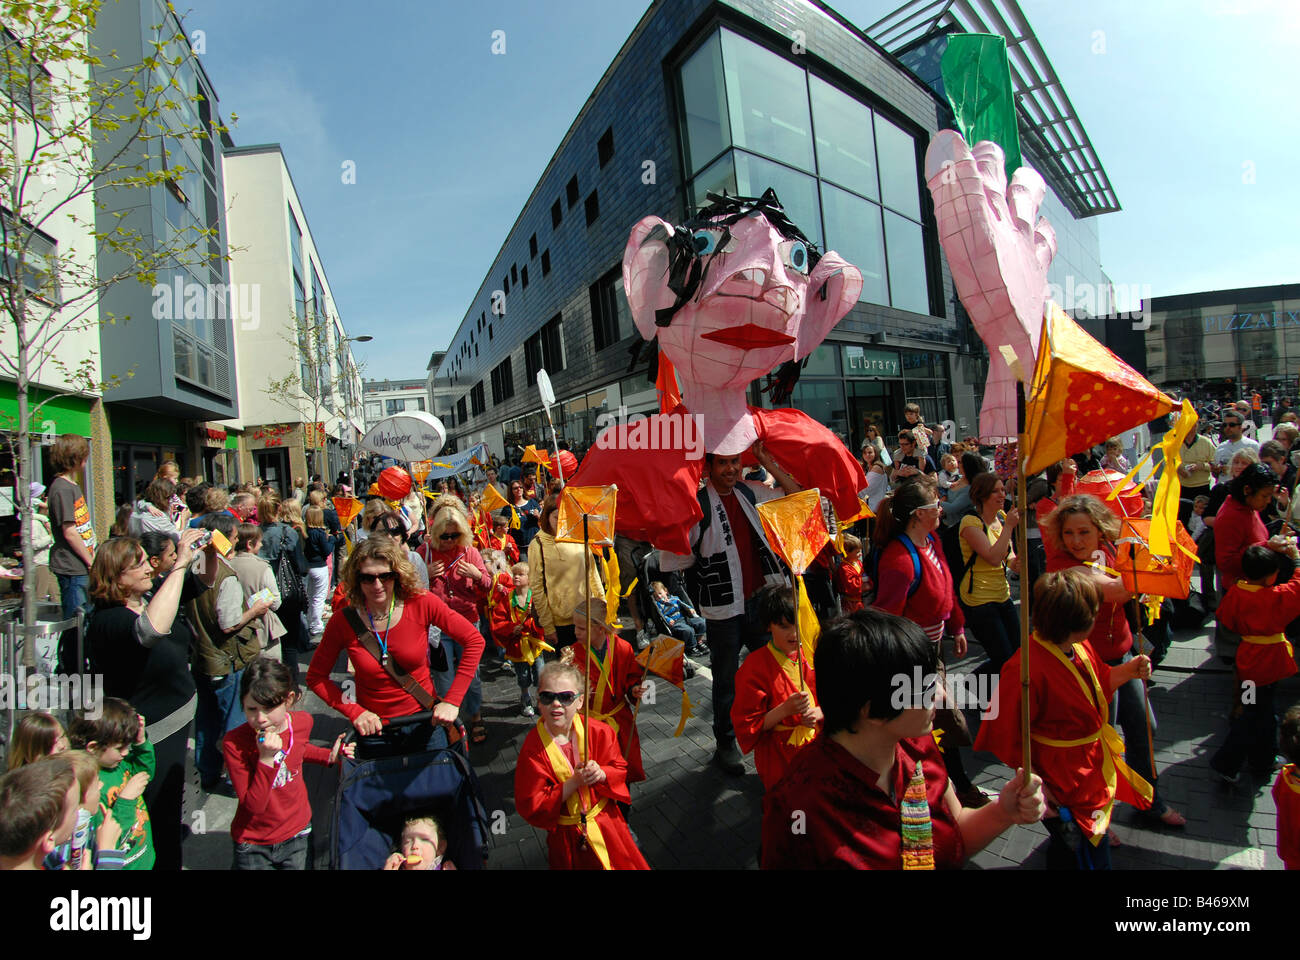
(705, 241)
(796, 256)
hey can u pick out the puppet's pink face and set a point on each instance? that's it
(756, 307)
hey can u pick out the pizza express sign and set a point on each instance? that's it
(861, 362)
(1237, 322)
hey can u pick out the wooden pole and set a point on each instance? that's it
(586, 572)
(798, 639)
(1022, 548)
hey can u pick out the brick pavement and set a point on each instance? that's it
(689, 814)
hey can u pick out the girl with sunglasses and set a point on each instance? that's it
(576, 802)
(382, 590)
(912, 581)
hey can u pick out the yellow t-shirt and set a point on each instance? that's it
(990, 580)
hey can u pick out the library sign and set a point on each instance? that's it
(862, 362)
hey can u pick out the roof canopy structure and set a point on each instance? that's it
(1049, 126)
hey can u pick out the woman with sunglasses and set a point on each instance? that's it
(458, 576)
(381, 587)
(575, 802)
(141, 647)
(912, 581)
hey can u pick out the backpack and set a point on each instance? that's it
(915, 554)
(951, 538)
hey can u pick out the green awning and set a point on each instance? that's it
(65, 414)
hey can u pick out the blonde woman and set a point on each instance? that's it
(281, 537)
(556, 577)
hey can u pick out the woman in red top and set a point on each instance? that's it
(872, 789)
(382, 588)
(913, 581)
(1238, 524)
(1081, 532)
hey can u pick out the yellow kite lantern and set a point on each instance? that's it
(420, 470)
(347, 508)
(796, 530)
(1081, 394)
(666, 658)
(586, 516)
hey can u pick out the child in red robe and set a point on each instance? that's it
(499, 538)
(1258, 608)
(516, 630)
(1286, 792)
(1075, 749)
(576, 802)
(848, 578)
(774, 713)
(615, 680)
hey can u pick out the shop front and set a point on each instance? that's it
(142, 442)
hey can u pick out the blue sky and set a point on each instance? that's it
(1190, 104)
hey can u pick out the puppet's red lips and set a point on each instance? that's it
(749, 336)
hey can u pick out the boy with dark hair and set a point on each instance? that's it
(775, 711)
(1258, 608)
(116, 739)
(1286, 792)
(73, 550)
(38, 812)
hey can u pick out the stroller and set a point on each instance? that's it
(375, 797)
(647, 573)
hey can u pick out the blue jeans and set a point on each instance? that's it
(219, 712)
(525, 674)
(1071, 849)
(289, 855)
(74, 596)
(726, 637)
(442, 680)
(689, 630)
(1128, 712)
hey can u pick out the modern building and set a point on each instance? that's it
(442, 395)
(739, 96)
(1226, 343)
(171, 346)
(386, 398)
(300, 407)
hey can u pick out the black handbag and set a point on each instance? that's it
(292, 590)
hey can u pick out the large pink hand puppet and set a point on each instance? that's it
(731, 298)
(999, 258)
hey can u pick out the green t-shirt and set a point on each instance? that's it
(133, 816)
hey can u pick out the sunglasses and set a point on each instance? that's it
(548, 697)
(929, 506)
(449, 536)
(367, 578)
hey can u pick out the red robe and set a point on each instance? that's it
(761, 685)
(1286, 797)
(503, 617)
(848, 583)
(1061, 710)
(537, 798)
(487, 540)
(609, 698)
(657, 488)
(1260, 615)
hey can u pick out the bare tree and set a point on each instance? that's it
(76, 124)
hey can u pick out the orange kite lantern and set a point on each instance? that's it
(1105, 484)
(666, 658)
(531, 455)
(796, 530)
(347, 508)
(493, 502)
(420, 470)
(1081, 394)
(1157, 576)
(597, 505)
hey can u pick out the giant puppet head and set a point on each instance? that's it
(732, 294)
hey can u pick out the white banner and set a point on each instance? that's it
(410, 436)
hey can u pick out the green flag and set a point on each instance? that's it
(977, 81)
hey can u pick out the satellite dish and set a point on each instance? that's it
(544, 387)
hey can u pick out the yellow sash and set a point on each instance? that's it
(1289, 778)
(1275, 638)
(799, 733)
(580, 799)
(1112, 745)
(603, 681)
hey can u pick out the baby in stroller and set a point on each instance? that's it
(423, 847)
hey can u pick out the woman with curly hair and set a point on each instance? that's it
(387, 607)
(1081, 532)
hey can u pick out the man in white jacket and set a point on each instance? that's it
(733, 562)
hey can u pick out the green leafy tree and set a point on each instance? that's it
(77, 125)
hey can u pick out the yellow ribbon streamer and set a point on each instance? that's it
(687, 712)
(800, 733)
(1112, 745)
(809, 628)
(580, 799)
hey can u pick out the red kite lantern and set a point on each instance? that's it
(567, 460)
(1100, 483)
(394, 483)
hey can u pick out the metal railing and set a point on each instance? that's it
(46, 639)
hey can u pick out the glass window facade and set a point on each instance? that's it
(1237, 343)
(848, 177)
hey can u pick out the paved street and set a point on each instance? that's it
(688, 814)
